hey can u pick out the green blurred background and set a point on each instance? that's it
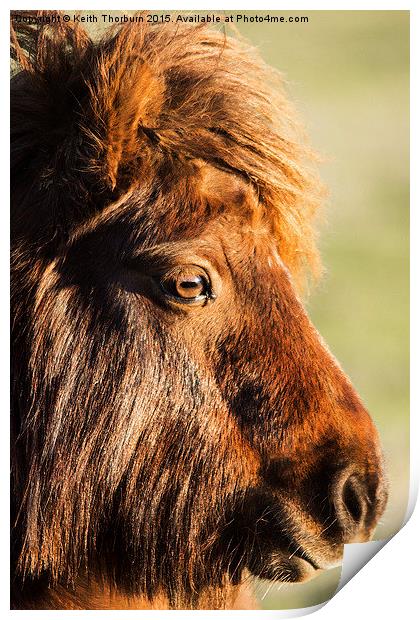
(348, 73)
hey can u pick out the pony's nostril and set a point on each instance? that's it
(353, 499)
(351, 505)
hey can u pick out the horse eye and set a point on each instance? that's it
(187, 285)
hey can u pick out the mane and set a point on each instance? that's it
(106, 111)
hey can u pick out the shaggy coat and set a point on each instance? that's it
(177, 421)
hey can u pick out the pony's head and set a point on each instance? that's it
(177, 418)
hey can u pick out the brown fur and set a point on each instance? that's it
(162, 450)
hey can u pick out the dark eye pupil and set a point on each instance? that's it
(190, 286)
(192, 283)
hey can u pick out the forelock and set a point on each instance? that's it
(147, 99)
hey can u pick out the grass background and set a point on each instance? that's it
(348, 73)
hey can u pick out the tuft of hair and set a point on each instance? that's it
(105, 112)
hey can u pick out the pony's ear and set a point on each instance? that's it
(125, 100)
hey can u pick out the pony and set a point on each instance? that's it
(178, 424)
